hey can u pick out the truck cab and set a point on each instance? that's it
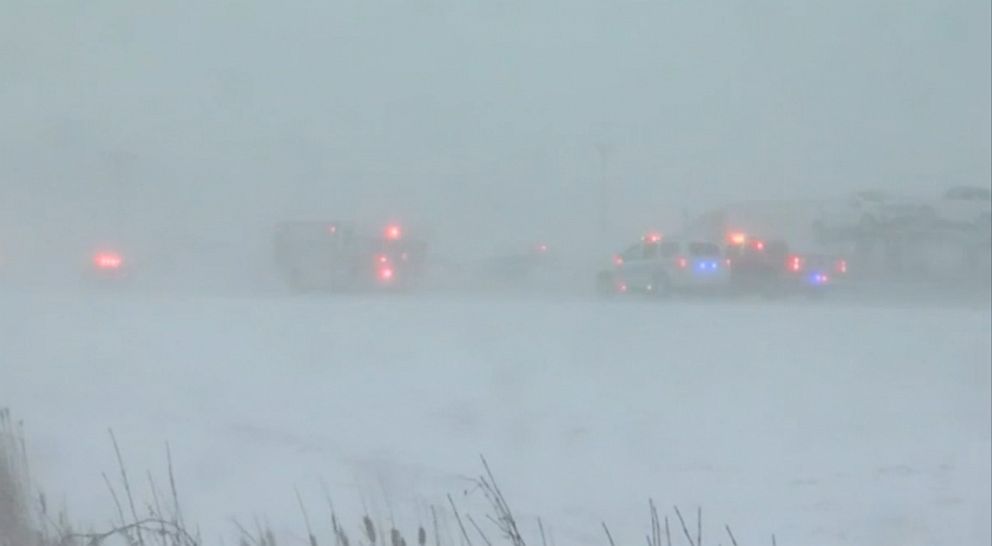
(338, 256)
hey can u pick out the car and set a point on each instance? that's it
(772, 269)
(812, 273)
(965, 206)
(866, 213)
(535, 264)
(756, 265)
(660, 267)
(338, 256)
(611, 281)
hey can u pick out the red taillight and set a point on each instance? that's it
(332, 229)
(758, 245)
(385, 274)
(729, 262)
(652, 237)
(394, 232)
(737, 238)
(618, 261)
(795, 263)
(622, 287)
(108, 260)
(842, 266)
(382, 258)
(682, 263)
(542, 248)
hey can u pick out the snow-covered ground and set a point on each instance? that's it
(824, 423)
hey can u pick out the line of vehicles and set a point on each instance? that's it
(718, 254)
(734, 250)
(661, 267)
(871, 236)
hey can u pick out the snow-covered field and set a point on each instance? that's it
(824, 423)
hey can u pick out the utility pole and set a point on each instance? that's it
(121, 182)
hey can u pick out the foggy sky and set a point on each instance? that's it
(494, 114)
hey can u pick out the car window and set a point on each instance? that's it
(668, 249)
(650, 251)
(634, 252)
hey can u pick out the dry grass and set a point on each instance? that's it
(16, 525)
(158, 521)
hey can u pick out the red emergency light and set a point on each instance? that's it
(394, 232)
(652, 237)
(108, 260)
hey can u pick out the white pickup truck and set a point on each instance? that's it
(661, 267)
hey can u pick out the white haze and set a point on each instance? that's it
(482, 119)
